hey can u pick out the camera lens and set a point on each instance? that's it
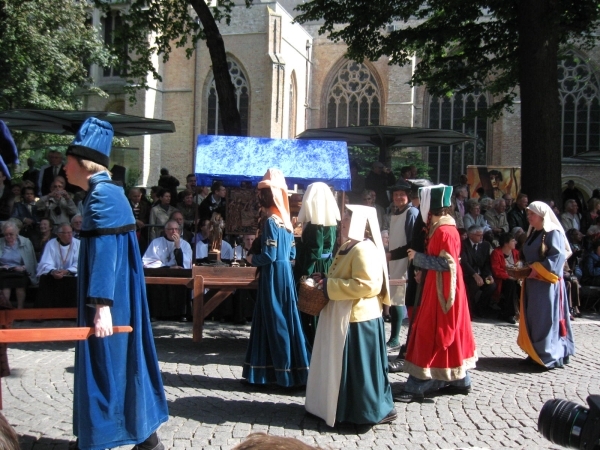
(561, 422)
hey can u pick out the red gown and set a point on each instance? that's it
(441, 344)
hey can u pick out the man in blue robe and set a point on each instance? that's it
(118, 391)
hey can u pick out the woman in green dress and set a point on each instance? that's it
(319, 215)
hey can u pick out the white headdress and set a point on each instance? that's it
(319, 206)
(551, 222)
(361, 215)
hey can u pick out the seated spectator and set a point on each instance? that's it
(26, 212)
(517, 215)
(477, 271)
(575, 238)
(591, 216)
(572, 286)
(473, 217)
(204, 232)
(42, 237)
(7, 199)
(57, 271)
(214, 202)
(485, 204)
(496, 218)
(18, 265)
(140, 206)
(76, 224)
(570, 218)
(189, 209)
(369, 198)
(169, 183)
(58, 204)
(160, 213)
(520, 235)
(590, 266)
(15, 188)
(508, 289)
(187, 235)
(462, 233)
(170, 251)
(242, 250)
(154, 200)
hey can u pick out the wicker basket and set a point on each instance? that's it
(519, 272)
(311, 300)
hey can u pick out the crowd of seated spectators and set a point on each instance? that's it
(504, 227)
(41, 224)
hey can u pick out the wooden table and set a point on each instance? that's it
(221, 282)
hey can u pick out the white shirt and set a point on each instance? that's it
(59, 257)
(160, 253)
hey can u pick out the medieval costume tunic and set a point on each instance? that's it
(545, 332)
(58, 293)
(319, 216)
(441, 345)
(277, 349)
(348, 374)
(118, 391)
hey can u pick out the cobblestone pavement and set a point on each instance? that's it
(210, 409)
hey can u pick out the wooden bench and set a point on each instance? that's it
(220, 281)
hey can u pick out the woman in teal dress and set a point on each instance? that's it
(277, 350)
(319, 216)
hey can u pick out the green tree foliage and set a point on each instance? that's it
(152, 27)
(463, 45)
(364, 157)
(45, 51)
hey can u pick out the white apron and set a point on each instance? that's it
(325, 374)
(398, 267)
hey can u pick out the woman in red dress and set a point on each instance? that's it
(441, 348)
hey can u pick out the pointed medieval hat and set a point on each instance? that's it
(93, 141)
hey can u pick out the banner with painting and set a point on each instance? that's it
(493, 181)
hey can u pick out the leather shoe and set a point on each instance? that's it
(454, 390)
(407, 397)
(396, 366)
(392, 415)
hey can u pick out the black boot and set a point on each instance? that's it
(152, 443)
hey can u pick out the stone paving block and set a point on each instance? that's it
(210, 409)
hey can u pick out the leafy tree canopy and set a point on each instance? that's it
(46, 48)
(462, 45)
(150, 28)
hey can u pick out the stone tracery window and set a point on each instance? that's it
(579, 96)
(450, 161)
(354, 97)
(242, 93)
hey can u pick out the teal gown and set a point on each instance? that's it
(277, 350)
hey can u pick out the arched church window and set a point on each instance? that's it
(242, 93)
(450, 161)
(354, 97)
(579, 106)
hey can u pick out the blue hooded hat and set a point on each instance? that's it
(93, 141)
(8, 150)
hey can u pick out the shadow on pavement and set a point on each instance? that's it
(503, 364)
(179, 380)
(213, 410)
(28, 442)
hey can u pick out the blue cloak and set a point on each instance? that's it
(277, 350)
(118, 396)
